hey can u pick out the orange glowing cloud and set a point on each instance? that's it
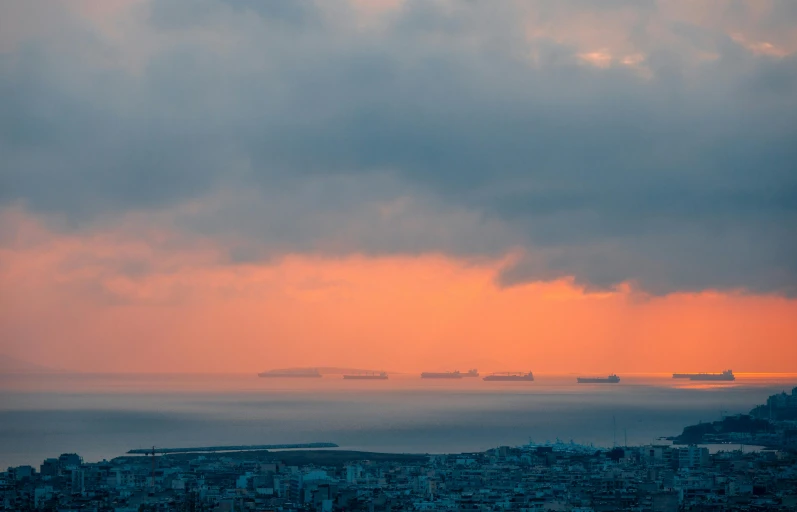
(150, 301)
(609, 35)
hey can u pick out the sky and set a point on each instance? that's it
(547, 185)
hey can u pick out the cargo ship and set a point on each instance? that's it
(367, 376)
(441, 375)
(510, 376)
(727, 375)
(295, 374)
(611, 379)
(471, 373)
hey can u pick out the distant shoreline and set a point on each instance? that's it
(327, 457)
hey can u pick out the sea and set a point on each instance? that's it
(102, 416)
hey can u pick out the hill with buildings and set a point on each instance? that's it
(779, 407)
(718, 430)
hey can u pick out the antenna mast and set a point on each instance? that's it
(614, 431)
(152, 475)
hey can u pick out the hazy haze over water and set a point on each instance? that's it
(102, 416)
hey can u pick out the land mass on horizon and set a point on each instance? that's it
(323, 370)
(14, 366)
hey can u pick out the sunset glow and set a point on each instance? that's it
(131, 304)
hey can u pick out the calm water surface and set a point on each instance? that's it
(102, 416)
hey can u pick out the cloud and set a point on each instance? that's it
(658, 151)
(136, 295)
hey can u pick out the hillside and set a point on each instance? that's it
(323, 370)
(11, 366)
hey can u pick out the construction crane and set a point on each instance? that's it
(152, 473)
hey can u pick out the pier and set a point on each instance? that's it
(236, 448)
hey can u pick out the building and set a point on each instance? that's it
(691, 457)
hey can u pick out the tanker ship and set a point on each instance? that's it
(367, 376)
(441, 375)
(611, 379)
(510, 376)
(727, 375)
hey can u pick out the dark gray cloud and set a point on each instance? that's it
(677, 173)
